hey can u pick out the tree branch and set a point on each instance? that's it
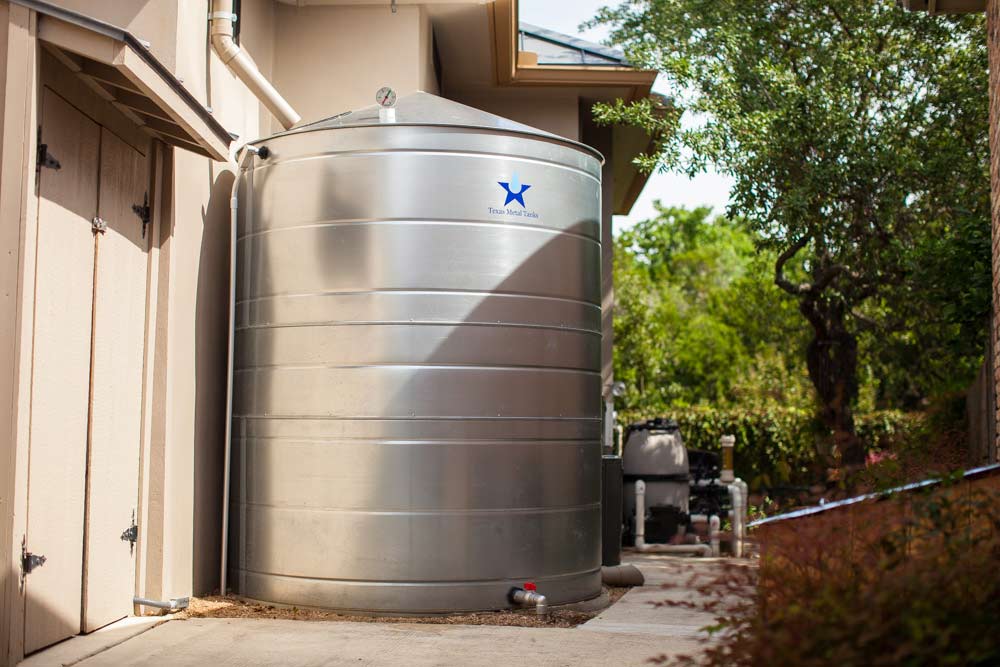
(841, 21)
(779, 268)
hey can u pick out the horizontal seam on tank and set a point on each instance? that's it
(420, 582)
(274, 162)
(425, 323)
(568, 509)
(415, 442)
(477, 367)
(423, 290)
(422, 221)
(444, 418)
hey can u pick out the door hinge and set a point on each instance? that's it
(42, 156)
(98, 225)
(131, 534)
(142, 210)
(29, 561)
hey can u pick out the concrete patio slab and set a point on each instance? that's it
(637, 612)
(627, 633)
(79, 648)
(241, 642)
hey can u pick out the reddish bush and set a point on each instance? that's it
(907, 581)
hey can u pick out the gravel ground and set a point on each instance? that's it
(230, 607)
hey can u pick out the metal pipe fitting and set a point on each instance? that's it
(175, 604)
(526, 598)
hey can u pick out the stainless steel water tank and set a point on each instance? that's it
(417, 383)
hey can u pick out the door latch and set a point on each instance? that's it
(29, 561)
(142, 210)
(131, 534)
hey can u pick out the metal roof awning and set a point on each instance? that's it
(120, 68)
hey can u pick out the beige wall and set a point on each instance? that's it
(333, 59)
(550, 110)
(154, 21)
(188, 442)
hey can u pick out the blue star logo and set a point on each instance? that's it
(515, 190)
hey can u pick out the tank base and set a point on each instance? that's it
(411, 599)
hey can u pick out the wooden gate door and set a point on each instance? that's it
(60, 372)
(119, 332)
(86, 390)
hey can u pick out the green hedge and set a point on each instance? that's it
(779, 446)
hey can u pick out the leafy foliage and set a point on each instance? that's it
(855, 133)
(698, 320)
(776, 446)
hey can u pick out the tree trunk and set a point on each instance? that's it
(832, 360)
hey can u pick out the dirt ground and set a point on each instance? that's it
(230, 607)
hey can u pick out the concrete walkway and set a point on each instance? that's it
(636, 612)
(628, 633)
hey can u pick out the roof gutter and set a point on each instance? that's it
(236, 59)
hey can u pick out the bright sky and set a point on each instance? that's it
(672, 189)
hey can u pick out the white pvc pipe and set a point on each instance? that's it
(640, 514)
(691, 549)
(713, 533)
(175, 604)
(737, 494)
(239, 62)
(640, 531)
(230, 357)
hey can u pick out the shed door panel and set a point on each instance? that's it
(60, 373)
(119, 328)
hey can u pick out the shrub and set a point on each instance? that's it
(779, 446)
(910, 581)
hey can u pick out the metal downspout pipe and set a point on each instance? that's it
(249, 152)
(239, 63)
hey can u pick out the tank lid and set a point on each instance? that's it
(421, 108)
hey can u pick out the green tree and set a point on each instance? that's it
(829, 115)
(698, 319)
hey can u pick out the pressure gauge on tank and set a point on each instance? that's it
(386, 99)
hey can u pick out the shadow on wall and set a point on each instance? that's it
(211, 331)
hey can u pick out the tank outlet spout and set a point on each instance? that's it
(529, 596)
(175, 604)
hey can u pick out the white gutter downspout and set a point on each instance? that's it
(241, 167)
(640, 531)
(239, 62)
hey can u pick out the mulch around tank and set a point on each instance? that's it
(230, 607)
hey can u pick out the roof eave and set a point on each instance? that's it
(122, 70)
(521, 68)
